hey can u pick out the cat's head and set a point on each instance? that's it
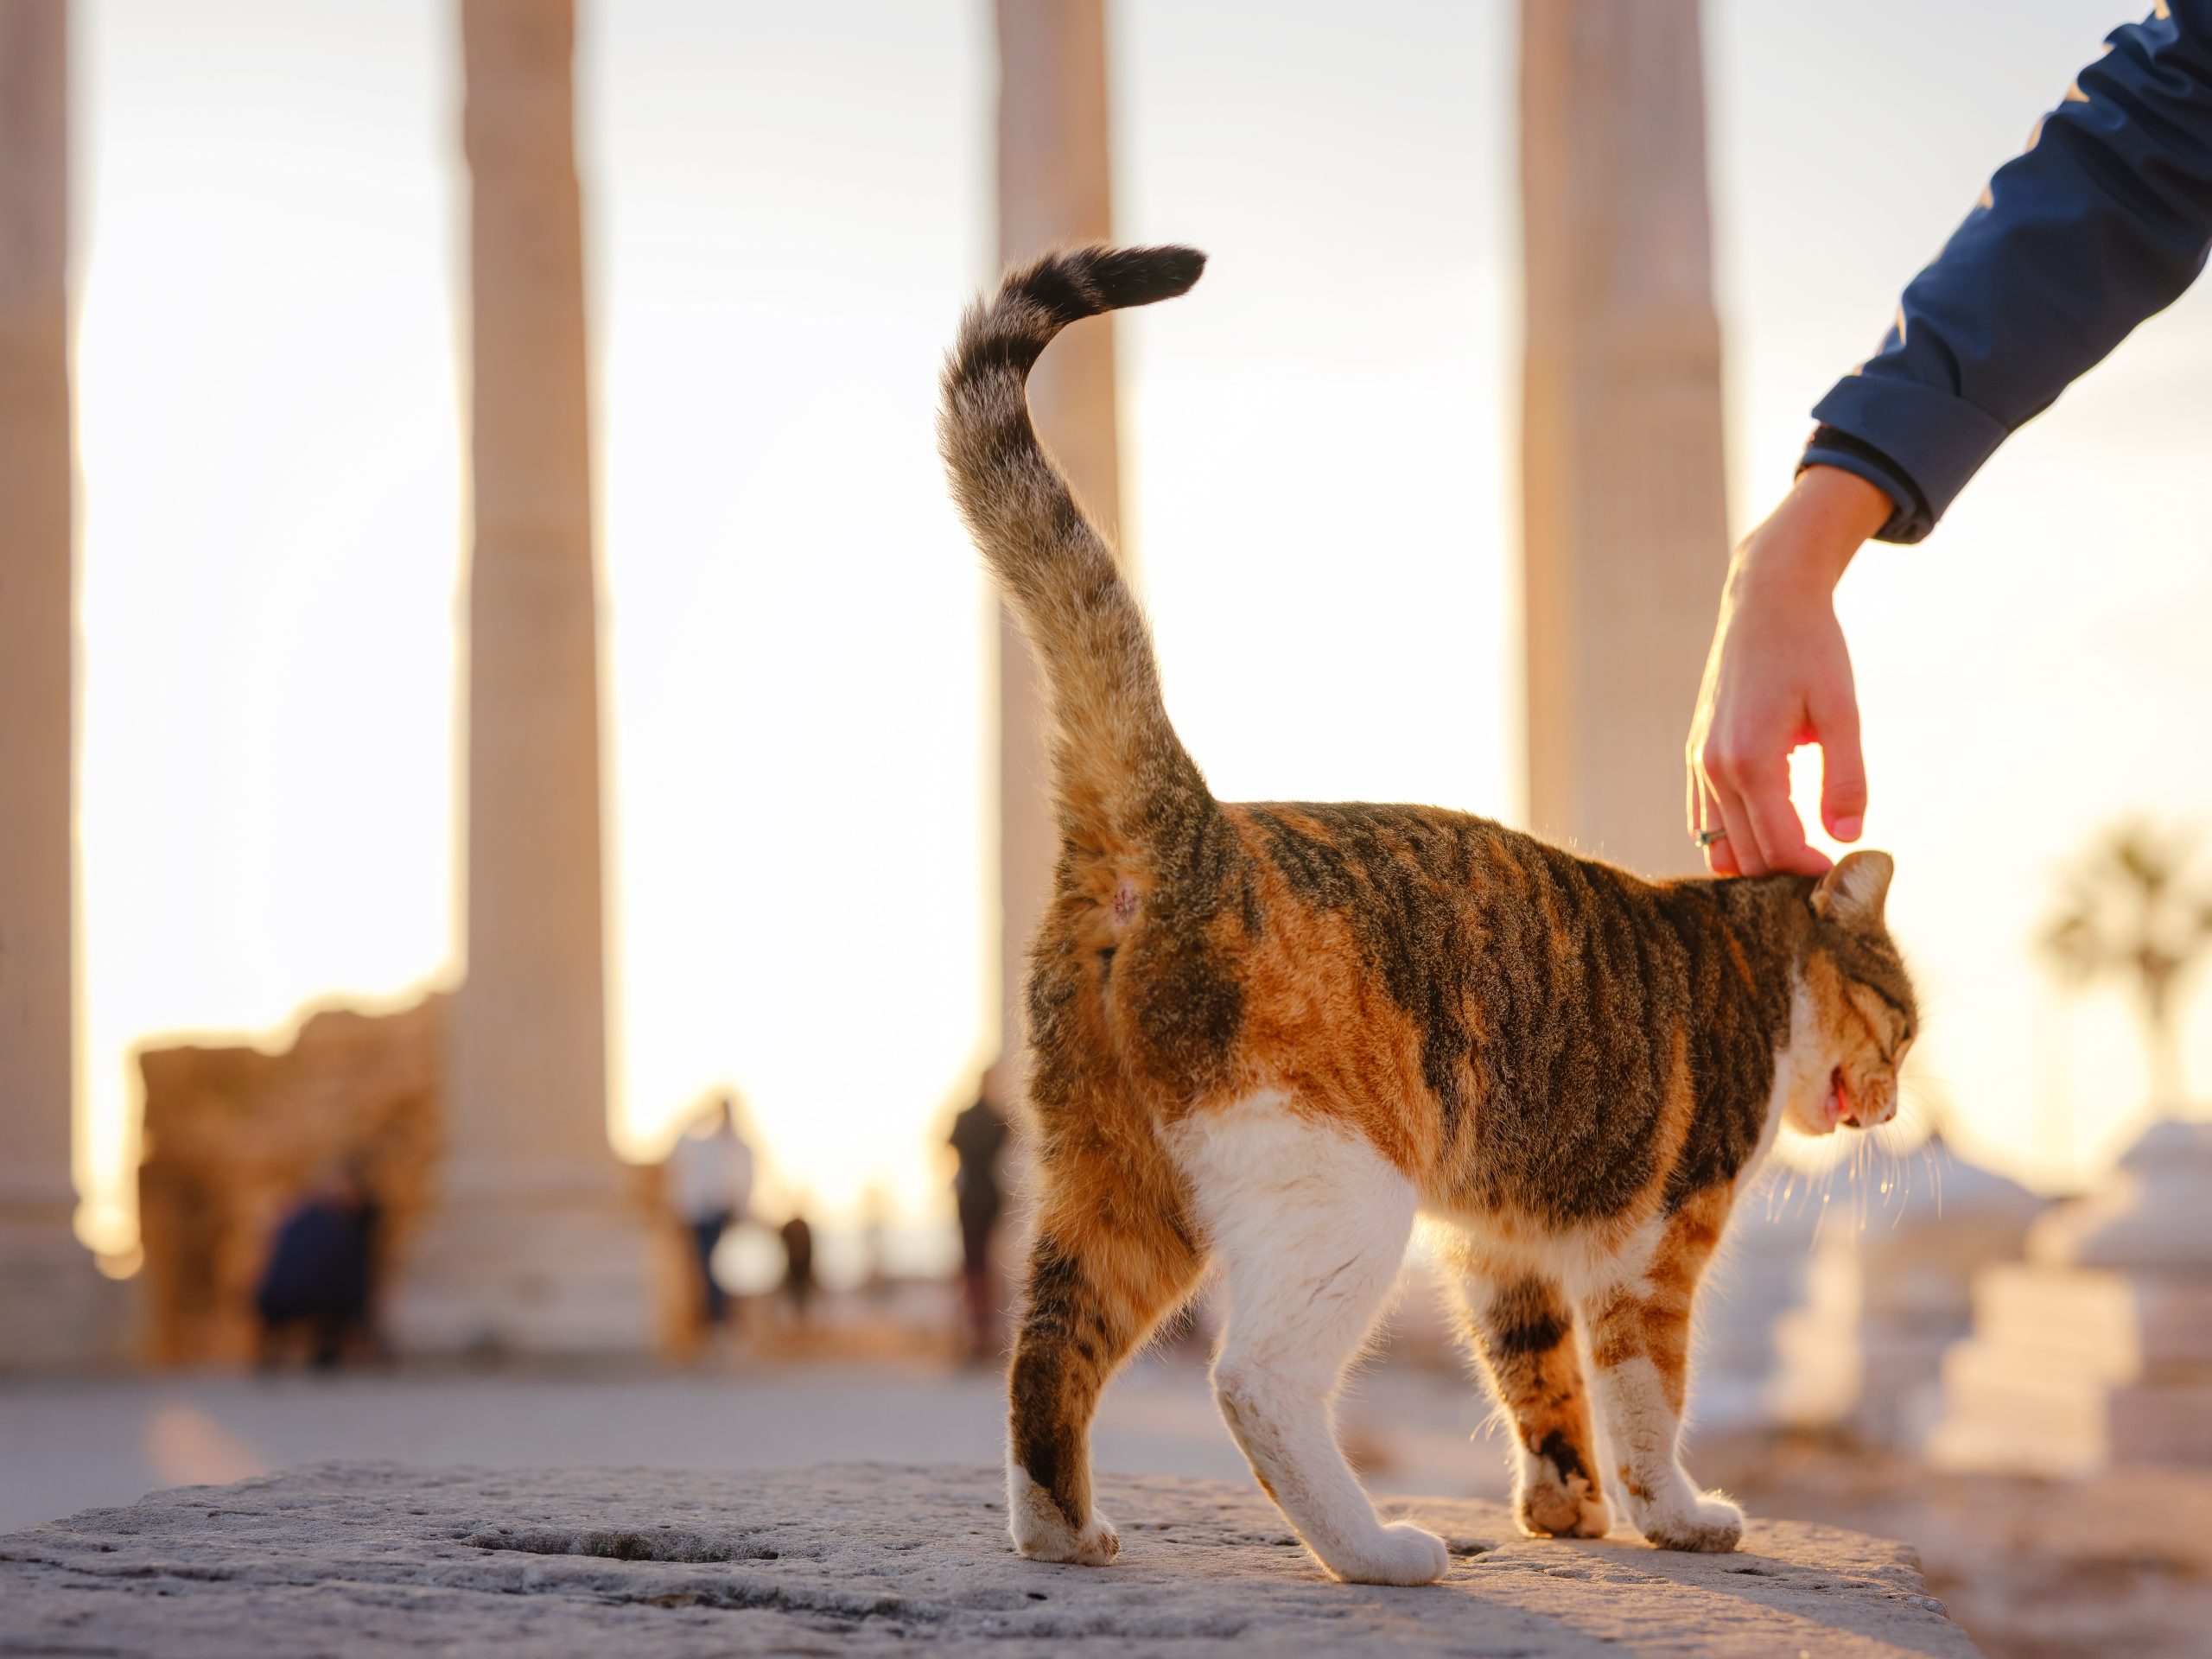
(1860, 999)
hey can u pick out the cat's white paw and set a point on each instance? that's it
(1709, 1523)
(1402, 1553)
(1042, 1533)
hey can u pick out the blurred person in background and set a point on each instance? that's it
(2104, 220)
(979, 1136)
(321, 1274)
(710, 1185)
(798, 1265)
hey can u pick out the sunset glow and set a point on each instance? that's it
(1320, 485)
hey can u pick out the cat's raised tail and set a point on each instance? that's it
(1122, 780)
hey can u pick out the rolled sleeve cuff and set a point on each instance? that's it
(1935, 442)
(1908, 520)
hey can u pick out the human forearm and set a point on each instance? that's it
(2105, 220)
(1810, 540)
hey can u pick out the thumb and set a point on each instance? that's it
(1843, 768)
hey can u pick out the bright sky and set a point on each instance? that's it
(786, 206)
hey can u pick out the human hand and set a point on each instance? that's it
(1778, 677)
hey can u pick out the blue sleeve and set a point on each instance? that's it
(2104, 220)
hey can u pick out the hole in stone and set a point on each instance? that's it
(668, 1545)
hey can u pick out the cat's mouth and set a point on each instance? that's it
(1839, 1107)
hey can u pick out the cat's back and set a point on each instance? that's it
(1541, 1004)
(1403, 860)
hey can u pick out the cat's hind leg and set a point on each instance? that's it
(1639, 1349)
(1310, 1225)
(1110, 1261)
(1522, 1329)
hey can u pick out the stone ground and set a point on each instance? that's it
(2031, 1569)
(373, 1558)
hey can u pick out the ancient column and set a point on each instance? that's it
(1055, 185)
(54, 1308)
(1625, 515)
(538, 1245)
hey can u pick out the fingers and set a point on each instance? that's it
(1743, 856)
(1708, 825)
(1751, 800)
(1723, 828)
(1765, 797)
(1720, 858)
(1843, 766)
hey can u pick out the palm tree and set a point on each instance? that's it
(2133, 907)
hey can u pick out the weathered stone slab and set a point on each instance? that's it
(373, 1558)
(2097, 1349)
(2102, 1327)
(2004, 1414)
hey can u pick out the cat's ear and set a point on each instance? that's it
(1852, 894)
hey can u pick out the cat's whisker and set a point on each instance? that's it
(1896, 1183)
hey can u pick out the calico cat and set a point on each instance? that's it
(1267, 1037)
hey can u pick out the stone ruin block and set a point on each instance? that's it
(236, 1134)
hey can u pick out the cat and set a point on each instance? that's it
(1268, 1037)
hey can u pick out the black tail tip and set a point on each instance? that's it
(1127, 277)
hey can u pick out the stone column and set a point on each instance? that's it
(54, 1308)
(1624, 514)
(1055, 185)
(538, 1245)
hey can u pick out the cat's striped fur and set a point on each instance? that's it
(1268, 1036)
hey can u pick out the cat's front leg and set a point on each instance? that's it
(1639, 1348)
(1643, 1417)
